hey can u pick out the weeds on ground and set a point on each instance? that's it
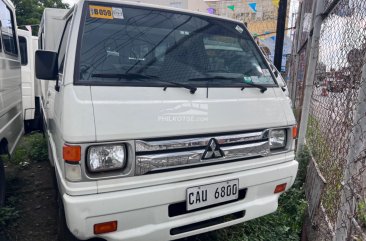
(361, 213)
(8, 214)
(330, 167)
(32, 148)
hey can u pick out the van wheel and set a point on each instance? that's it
(63, 233)
(2, 183)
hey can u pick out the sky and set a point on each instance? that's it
(70, 2)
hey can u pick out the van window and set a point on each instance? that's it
(141, 46)
(8, 30)
(62, 49)
(23, 50)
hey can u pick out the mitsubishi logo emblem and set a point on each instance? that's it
(213, 150)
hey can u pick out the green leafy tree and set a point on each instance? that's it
(29, 12)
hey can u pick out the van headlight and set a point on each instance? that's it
(106, 158)
(277, 139)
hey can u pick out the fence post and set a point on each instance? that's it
(311, 69)
(353, 168)
(297, 42)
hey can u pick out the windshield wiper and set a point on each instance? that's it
(136, 76)
(261, 87)
(125, 76)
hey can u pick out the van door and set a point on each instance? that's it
(25, 47)
(53, 93)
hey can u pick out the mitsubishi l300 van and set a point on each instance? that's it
(161, 123)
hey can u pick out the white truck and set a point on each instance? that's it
(28, 44)
(161, 123)
(11, 118)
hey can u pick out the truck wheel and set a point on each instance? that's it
(63, 233)
(2, 183)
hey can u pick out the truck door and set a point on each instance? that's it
(53, 93)
(25, 47)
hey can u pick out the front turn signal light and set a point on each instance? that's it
(294, 132)
(71, 153)
(107, 227)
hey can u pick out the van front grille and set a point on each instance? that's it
(163, 155)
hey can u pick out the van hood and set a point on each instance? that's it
(128, 113)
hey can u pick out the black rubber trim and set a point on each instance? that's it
(180, 208)
(207, 223)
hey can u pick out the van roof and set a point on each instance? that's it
(160, 7)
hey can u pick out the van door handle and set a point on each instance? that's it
(49, 94)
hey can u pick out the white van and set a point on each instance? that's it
(161, 123)
(11, 118)
(28, 44)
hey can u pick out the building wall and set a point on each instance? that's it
(197, 5)
(169, 3)
(261, 21)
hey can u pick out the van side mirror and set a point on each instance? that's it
(46, 65)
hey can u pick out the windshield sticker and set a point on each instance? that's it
(117, 13)
(239, 29)
(266, 72)
(100, 12)
(247, 79)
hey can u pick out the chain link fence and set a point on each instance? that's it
(336, 130)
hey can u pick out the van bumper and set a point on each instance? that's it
(138, 219)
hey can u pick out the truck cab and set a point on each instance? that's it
(161, 123)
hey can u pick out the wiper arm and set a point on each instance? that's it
(136, 76)
(191, 89)
(261, 87)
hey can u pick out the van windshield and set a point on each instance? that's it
(127, 45)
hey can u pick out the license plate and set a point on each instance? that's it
(207, 195)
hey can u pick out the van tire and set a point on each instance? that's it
(63, 232)
(2, 183)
